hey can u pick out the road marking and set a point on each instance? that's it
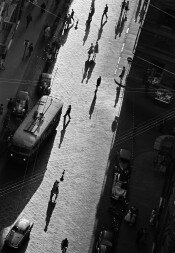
(123, 47)
(127, 30)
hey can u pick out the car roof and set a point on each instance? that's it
(107, 236)
(104, 249)
(22, 223)
(125, 154)
(22, 95)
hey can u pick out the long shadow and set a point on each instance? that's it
(88, 21)
(18, 185)
(90, 70)
(91, 110)
(138, 10)
(86, 66)
(122, 24)
(117, 27)
(117, 95)
(63, 131)
(50, 208)
(87, 30)
(101, 29)
(65, 34)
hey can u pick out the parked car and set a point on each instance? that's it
(105, 242)
(18, 233)
(43, 87)
(123, 160)
(119, 188)
(20, 105)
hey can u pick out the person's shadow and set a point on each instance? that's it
(91, 110)
(117, 95)
(63, 131)
(65, 34)
(101, 29)
(114, 124)
(87, 30)
(122, 24)
(50, 208)
(86, 66)
(117, 27)
(90, 69)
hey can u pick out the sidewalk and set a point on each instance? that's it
(15, 66)
(145, 185)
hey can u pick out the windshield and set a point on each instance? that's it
(19, 149)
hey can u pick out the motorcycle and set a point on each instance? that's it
(153, 217)
(131, 216)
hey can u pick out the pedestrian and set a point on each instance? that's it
(28, 20)
(72, 15)
(98, 82)
(76, 26)
(62, 176)
(68, 21)
(123, 5)
(1, 109)
(127, 6)
(55, 190)
(64, 245)
(30, 49)
(90, 50)
(68, 112)
(105, 12)
(43, 7)
(122, 73)
(10, 105)
(96, 50)
(26, 45)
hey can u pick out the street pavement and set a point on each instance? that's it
(83, 147)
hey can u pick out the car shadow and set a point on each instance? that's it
(18, 185)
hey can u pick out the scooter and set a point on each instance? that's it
(153, 217)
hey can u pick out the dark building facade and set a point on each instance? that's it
(156, 44)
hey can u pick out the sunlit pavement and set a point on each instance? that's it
(82, 149)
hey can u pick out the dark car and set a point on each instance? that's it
(44, 84)
(105, 242)
(21, 102)
(123, 159)
(18, 233)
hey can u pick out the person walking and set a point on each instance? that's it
(28, 20)
(98, 82)
(55, 190)
(30, 49)
(90, 50)
(64, 245)
(62, 176)
(96, 50)
(10, 105)
(76, 26)
(1, 109)
(123, 5)
(122, 73)
(68, 112)
(26, 45)
(127, 6)
(72, 15)
(105, 12)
